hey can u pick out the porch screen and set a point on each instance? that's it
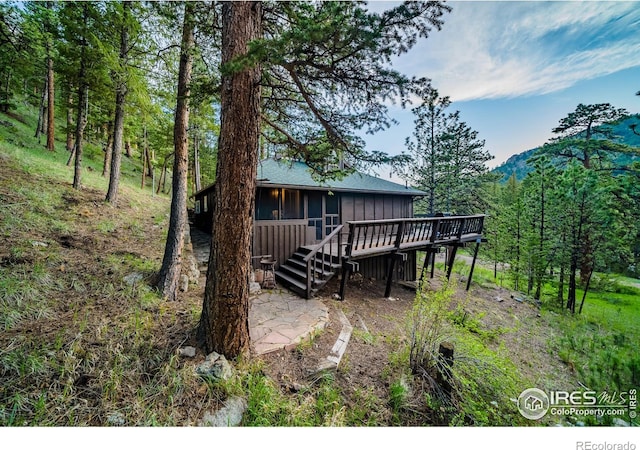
(279, 204)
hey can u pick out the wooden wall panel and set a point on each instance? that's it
(278, 238)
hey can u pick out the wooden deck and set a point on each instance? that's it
(395, 237)
(312, 265)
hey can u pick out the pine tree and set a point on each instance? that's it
(324, 72)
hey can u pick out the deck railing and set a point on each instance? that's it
(369, 237)
(322, 256)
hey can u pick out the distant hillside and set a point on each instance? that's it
(518, 163)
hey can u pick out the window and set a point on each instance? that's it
(198, 206)
(279, 204)
(267, 201)
(292, 204)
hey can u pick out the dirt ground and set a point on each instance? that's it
(380, 331)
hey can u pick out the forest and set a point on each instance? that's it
(132, 107)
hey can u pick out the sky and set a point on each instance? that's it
(514, 69)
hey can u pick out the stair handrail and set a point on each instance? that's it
(311, 275)
(324, 242)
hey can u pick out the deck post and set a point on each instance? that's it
(452, 257)
(392, 263)
(433, 263)
(425, 265)
(473, 263)
(345, 275)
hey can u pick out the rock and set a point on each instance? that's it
(39, 244)
(618, 422)
(184, 283)
(133, 278)
(115, 419)
(494, 403)
(254, 288)
(335, 296)
(215, 368)
(191, 269)
(230, 415)
(188, 352)
(499, 299)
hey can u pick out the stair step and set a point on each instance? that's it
(286, 268)
(302, 267)
(292, 282)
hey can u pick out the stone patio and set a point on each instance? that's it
(280, 319)
(277, 318)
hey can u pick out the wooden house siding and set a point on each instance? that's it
(377, 207)
(278, 238)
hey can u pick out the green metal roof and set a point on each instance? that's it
(297, 175)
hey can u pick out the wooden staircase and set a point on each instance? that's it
(293, 273)
(310, 268)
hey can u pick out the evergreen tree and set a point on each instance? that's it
(172, 261)
(446, 159)
(324, 72)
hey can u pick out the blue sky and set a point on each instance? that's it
(514, 69)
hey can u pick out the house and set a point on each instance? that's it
(293, 212)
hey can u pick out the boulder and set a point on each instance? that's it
(133, 278)
(618, 422)
(184, 283)
(254, 288)
(230, 415)
(188, 352)
(190, 268)
(115, 419)
(215, 368)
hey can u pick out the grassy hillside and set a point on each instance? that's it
(80, 345)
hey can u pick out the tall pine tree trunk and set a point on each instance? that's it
(83, 98)
(118, 121)
(83, 95)
(41, 110)
(571, 295)
(70, 143)
(50, 104)
(169, 274)
(561, 286)
(196, 163)
(224, 323)
(108, 149)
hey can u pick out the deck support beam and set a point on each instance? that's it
(429, 258)
(348, 267)
(452, 257)
(473, 263)
(392, 262)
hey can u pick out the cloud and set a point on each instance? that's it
(490, 50)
